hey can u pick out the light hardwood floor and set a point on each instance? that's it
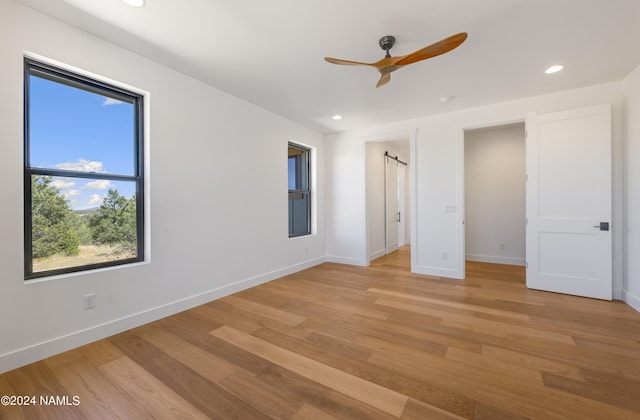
(342, 342)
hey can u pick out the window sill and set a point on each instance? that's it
(85, 272)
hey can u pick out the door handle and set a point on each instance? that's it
(603, 226)
(398, 217)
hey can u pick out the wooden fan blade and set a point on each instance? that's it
(346, 62)
(433, 50)
(384, 79)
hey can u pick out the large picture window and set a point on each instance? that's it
(299, 190)
(83, 173)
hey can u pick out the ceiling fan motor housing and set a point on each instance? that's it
(386, 42)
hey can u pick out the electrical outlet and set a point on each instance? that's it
(89, 301)
(501, 246)
(445, 255)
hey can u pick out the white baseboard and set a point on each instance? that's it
(436, 271)
(631, 300)
(495, 259)
(618, 294)
(346, 260)
(377, 254)
(42, 350)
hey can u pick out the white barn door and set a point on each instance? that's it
(568, 202)
(391, 205)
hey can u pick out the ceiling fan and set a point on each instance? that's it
(389, 64)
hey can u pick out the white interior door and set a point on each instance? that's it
(569, 202)
(391, 205)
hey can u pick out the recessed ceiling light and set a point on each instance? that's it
(135, 3)
(554, 69)
(337, 117)
(446, 99)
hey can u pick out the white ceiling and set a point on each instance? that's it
(271, 53)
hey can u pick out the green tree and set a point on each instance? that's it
(52, 220)
(81, 226)
(115, 222)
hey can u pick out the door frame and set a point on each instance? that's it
(402, 205)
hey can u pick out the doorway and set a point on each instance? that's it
(388, 196)
(494, 167)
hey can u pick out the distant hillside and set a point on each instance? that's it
(87, 211)
(85, 214)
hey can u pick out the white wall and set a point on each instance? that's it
(632, 191)
(217, 190)
(494, 173)
(437, 160)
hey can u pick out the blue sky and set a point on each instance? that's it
(74, 129)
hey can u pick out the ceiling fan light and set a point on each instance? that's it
(554, 69)
(135, 3)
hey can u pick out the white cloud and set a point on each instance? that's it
(62, 184)
(95, 199)
(100, 184)
(82, 165)
(111, 101)
(72, 193)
